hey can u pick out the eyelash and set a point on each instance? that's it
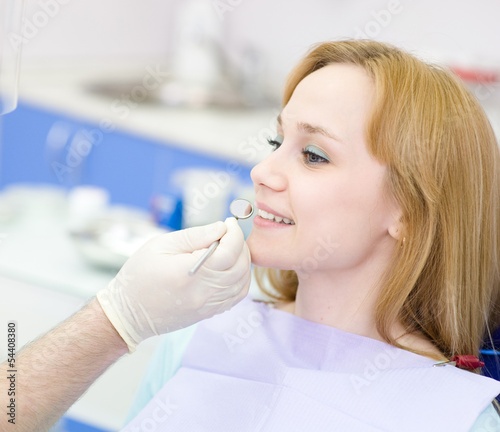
(273, 143)
(306, 153)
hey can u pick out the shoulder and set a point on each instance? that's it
(285, 306)
(167, 358)
(488, 420)
(164, 363)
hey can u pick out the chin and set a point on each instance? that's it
(264, 256)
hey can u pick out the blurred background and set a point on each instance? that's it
(139, 117)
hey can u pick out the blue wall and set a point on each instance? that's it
(41, 146)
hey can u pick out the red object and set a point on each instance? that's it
(476, 75)
(467, 362)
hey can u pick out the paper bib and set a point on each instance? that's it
(255, 368)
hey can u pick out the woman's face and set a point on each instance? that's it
(322, 178)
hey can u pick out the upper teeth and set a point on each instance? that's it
(270, 216)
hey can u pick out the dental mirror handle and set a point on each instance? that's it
(204, 257)
(241, 209)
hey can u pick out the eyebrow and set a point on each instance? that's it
(311, 129)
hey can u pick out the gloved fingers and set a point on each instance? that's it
(225, 290)
(230, 247)
(192, 239)
(240, 269)
(241, 292)
(243, 284)
(217, 306)
(225, 278)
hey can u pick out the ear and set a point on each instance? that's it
(396, 228)
(395, 231)
(394, 218)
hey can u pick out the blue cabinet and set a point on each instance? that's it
(40, 146)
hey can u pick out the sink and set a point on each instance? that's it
(181, 94)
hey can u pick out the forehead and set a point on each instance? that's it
(340, 95)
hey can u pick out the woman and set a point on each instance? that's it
(377, 223)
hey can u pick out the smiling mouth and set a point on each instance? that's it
(269, 216)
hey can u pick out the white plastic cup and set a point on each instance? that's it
(86, 203)
(205, 195)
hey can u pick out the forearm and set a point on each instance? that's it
(53, 372)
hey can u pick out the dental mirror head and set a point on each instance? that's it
(241, 208)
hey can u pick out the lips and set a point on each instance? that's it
(271, 216)
(268, 209)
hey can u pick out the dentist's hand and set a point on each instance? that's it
(153, 293)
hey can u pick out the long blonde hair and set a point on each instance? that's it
(443, 169)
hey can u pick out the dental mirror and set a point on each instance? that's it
(241, 209)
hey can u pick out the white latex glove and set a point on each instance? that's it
(153, 293)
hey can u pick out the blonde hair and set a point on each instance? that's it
(443, 169)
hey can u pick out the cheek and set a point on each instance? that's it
(329, 206)
(361, 192)
(344, 219)
(338, 221)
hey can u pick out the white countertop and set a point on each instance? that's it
(35, 245)
(229, 134)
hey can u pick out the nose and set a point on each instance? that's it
(270, 173)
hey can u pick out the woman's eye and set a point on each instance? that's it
(275, 143)
(314, 156)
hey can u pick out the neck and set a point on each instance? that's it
(345, 301)
(345, 297)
